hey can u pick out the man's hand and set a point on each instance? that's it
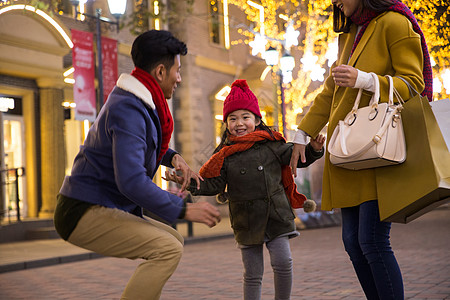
(202, 212)
(297, 152)
(180, 165)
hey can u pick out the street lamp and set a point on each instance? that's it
(117, 9)
(286, 65)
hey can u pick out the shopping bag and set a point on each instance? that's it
(441, 110)
(422, 182)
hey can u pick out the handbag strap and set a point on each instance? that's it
(401, 102)
(375, 97)
(393, 91)
(373, 101)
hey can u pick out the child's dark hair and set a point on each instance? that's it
(155, 47)
(225, 141)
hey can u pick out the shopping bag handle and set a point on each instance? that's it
(410, 87)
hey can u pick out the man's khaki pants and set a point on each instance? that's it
(113, 232)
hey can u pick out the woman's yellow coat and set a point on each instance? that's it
(389, 46)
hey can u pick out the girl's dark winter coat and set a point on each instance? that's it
(259, 207)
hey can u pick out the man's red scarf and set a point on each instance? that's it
(241, 143)
(165, 117)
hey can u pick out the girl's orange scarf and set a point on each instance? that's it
(241, 143)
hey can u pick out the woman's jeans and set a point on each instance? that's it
(281, 261)
(366, 240)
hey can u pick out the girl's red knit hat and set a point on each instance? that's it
(240, 97)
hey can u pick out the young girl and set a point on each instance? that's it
(252, 163)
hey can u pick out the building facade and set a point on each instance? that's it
(39, 137)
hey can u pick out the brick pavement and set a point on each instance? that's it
(212, 270)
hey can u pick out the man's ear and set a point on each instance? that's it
(159, 72)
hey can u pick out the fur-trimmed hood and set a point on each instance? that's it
(130, 84)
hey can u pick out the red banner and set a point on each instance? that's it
(84, 75)
(109, 60)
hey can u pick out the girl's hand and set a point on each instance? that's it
(345, 75)
(318, 142)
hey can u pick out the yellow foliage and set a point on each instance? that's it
(313, 19)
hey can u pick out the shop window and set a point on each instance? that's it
(215, 22)
(13, 164)
(65, 7)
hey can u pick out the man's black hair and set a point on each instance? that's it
(155, 47)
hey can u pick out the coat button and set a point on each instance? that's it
(260, 168)
(243, 171)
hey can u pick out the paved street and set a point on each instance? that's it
(212, 270)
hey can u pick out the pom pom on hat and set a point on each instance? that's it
(309, 206)
(242, 83)
(240, 97)
(298, 200)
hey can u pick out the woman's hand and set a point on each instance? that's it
(345, 75)
(318, 142)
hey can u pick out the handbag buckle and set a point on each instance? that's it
(372, 116)
(395, 119)
(376, 139)
(350, 122)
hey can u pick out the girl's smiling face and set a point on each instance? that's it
(241, 122)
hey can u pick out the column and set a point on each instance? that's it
(52, 143)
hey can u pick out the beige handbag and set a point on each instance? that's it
(370, 136)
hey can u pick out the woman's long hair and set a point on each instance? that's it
(341, 23)
(225, 141)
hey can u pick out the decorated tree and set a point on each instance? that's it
(316, 49)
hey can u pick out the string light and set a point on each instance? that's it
(291, 36)
(258, 44)
(315, 19)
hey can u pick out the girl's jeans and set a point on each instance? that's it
(366, 240)
(281, 261)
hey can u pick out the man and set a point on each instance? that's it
(100, 205)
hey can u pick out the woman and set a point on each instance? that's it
(383, 37)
